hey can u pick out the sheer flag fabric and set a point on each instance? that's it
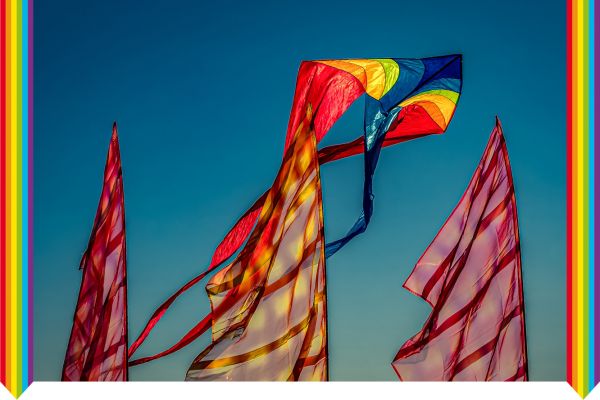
(272, 326)
(404, 99)
(97, 349)
(471, 276)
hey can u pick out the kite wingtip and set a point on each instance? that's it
(454, 57)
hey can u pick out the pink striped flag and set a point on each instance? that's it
(471, 275)
(97, 348)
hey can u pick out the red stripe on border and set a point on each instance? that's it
(569, 193)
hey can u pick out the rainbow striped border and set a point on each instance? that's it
(16, 195)
(583, 321)
(16, 205)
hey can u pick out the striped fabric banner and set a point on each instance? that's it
(97, 349)
(583, 322)
(16, 111)
(269, 305)
(471, 277)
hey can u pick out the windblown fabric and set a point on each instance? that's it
(471, 275)
(269, 305)
(404, 99)
(97, 349)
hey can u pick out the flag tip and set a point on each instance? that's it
(114, 131)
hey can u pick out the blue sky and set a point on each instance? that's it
(202, 93)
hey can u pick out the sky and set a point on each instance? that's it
(202, 91)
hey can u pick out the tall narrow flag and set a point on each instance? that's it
(97, 348)
(269, 305)
(471, 275)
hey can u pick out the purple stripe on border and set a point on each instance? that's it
(596, 93)
(30, 189)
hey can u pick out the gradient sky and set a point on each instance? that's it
(202, 93)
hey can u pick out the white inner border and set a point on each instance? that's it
(300, 391)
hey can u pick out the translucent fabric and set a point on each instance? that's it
(471, 275)
(269, 305)
(97, 349)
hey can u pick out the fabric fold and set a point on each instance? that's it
(471, 276)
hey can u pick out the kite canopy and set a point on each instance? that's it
(426, 89)
(404, 99)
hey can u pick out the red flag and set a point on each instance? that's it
(97, 348)
(471, 275)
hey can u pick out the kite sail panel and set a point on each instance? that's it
(97, 349)
(471, 275)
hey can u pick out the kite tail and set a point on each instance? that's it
(228, 246)
(234, 240)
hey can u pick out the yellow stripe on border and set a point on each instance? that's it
(13, 195)
(579, 193)
(9, 88)
(585, 199)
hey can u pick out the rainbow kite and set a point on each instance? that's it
(16, 177)
(404, 99)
